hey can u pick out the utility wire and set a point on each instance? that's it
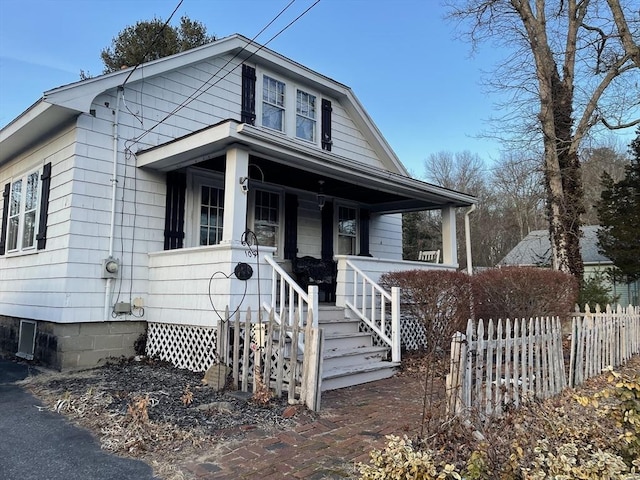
(200, 90)
(153, 42)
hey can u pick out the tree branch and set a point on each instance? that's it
(614, 71)
(619, 126)
(631, 48)
(600, 46)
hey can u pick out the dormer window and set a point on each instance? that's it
(309, 121)
(306, 116)
(273, 105)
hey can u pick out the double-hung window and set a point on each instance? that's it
(211, 214)
(23, 213)
(306, 116)
(347, 230)
(273, 103)
(267, 218)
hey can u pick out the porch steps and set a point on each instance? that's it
(349, 356)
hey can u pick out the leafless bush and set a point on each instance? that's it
(439, 299)
(523, 292)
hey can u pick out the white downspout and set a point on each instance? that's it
(467, 236)
(114, 185)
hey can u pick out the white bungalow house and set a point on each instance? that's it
(126, 198)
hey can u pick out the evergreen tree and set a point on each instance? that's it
(151, 40)
(619, 212)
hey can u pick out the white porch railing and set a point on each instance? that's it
(369, 302)
(288, 300)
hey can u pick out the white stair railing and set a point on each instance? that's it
(288, 300)
(369, 302)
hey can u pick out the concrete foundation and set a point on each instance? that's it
(74, 346)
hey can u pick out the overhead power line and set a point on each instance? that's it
(206, 85)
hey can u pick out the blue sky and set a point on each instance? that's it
(420, 86)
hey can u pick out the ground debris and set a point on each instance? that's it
(153, 411)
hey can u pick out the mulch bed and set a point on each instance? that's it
(156, 412)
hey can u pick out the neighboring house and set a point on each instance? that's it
(126, 197)
(535, 250)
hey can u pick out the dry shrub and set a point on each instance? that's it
(523, 292)
(187, 396)
(262, 394)
(138, 411)
(438, 298)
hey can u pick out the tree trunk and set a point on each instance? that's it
(564, 208)
(562, 167)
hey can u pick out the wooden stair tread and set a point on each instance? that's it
(353, 369)
(345, 352)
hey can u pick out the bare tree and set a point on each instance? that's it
(517, 179)
(576, 61)
(595, 161)
(493, 225)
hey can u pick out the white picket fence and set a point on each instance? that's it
(251, 347)
(511, 362)
(504, 365)
(602, 339)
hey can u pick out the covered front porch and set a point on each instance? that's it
(300, 202)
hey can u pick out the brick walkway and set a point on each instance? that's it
(352, 421)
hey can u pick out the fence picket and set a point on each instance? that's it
(509, 360)
(293, 361)
(236, 350)
(468, 366)
(268, 348)
(479, 359)
(489, 370)
(500, 346)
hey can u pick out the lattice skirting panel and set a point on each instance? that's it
(184, 346)
(412, 334)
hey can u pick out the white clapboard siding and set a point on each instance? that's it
(602, 339)
(33, 285)
(385, 236)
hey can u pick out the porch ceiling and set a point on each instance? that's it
(282, 160)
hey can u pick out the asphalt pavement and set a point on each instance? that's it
(38, 444)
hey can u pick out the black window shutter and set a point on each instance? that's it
(326, 125)
(248, 111)
(290, 226)
(5, 213)
(365, 216)
(174, 213)
(327, 231)
(44, 206)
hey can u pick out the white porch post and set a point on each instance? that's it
(449, 242)
(235, 197)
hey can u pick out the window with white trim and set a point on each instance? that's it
(22, 215)
(211, 215)
(273, 103)
(266, 222)
(347, 230)
(305, 116)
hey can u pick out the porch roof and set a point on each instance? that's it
(383, 191)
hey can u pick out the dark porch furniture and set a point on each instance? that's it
(317, 271)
